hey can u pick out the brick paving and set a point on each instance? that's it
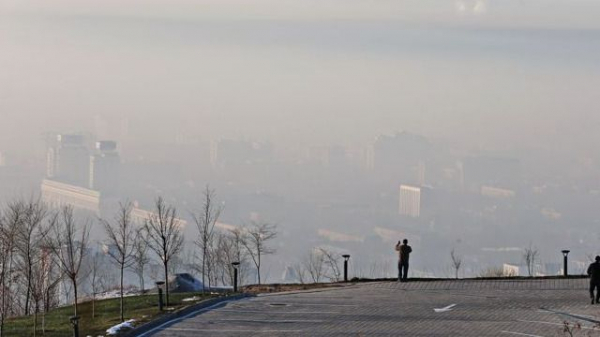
(483, 308)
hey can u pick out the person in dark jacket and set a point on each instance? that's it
(404, 251)
(594, 273)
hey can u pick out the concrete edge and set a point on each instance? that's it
(146, 327)
(500, 278)
(308, 291)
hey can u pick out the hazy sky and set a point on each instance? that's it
(500, 72)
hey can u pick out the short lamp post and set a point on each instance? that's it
(160, 295)
(235, 276)
(75, 323)
(346, 258)
(565, 262)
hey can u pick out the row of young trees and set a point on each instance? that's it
(530, 258)
(319, 265)
(220, 248)
(38, 249)
(42, 249)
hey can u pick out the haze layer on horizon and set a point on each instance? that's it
(495, 73)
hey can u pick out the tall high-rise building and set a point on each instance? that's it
(410, 201)
(104, 168)
(68, 160)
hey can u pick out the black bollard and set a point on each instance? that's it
(160, 295)
(75, 323)
(565, 262)
(346, 258)
(235, 276)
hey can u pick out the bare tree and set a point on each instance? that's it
(205, 222)
(176, 264)
(45, 281)
(530, 255)
(315, 265)
(221, 257)
(96, 266)
(456, 262)
(69, 245)
(299, 272)
(164, 236)
(39, 275)
(121, 237)
(189, 260)
(29, 234)
(140, 257)
(331, 261)
(231, 249)
(240, 253)
(258, 235)
(228, 248)
(10, 222)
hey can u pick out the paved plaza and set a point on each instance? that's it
(433, 308)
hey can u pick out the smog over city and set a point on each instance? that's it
(326, 127)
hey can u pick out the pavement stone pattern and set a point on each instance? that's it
(482, 308)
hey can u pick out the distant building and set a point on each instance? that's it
(59, 194)
(491, 171)
(400, 149)
(421, 173)
(140, 216)
(327, 156)
(229, 153)
(496, 192)
(510, 270)
(400, 157)
(104, 168)
(410, 201)
(553, 268)
(318, 155)
(68, 160)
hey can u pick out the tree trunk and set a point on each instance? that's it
(3, 299)
(141, 279)
(258, 267)
(166, 283)
(75, 294)
(204, 269)
(28, 294)
(122, 303)
(34, 323)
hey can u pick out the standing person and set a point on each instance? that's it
(404, 251)
(594, 273)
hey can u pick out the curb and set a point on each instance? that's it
(146, 327)
(308, 291)
(499, 278)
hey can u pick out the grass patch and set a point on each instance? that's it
(142, 308)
